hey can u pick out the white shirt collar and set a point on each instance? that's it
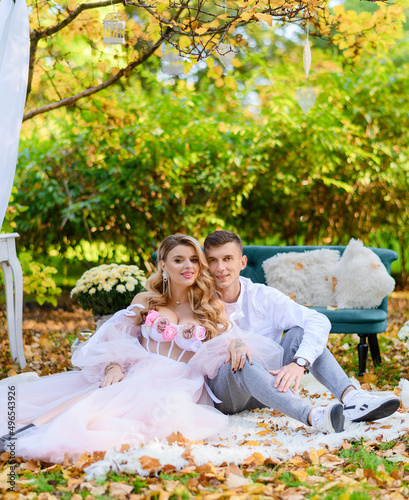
(235, 309)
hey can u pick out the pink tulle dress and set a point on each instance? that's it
(157, 397)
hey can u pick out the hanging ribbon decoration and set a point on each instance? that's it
(225, 52)
(306, 96)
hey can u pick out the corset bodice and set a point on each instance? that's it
(187, 336)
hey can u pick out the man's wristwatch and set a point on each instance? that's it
(301, 362)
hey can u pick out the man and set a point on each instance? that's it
(263, 310)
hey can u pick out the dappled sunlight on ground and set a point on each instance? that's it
(48, 335)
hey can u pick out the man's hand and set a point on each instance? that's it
(113, 376)
(237, 353)
(286, 375)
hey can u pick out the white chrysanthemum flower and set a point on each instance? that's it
(108, 278)
(403, 333)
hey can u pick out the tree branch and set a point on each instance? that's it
(68, 101)
(71, 16)
(36, 35)
(31, 63)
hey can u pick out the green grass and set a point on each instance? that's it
(47, 482)
(290, 480)
(176, 477)
(345, 493)
(366, 459)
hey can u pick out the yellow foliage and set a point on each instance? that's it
(187, 67)
(252, 443)
(153, 28)
(201, 31)
(184, 42)
(212, 74)
(210, 62)
(262, 433)
(396, 11)
(351, 14)
(218, 70)
(265, 17)
(230, 82)
(222, 127)
(246, 16)
(214, 24)
(339, 10)
(300, 474)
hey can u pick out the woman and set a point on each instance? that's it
(142, 373)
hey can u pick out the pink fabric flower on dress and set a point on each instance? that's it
(200, 333)
(169, 333)
(188, 330)
(150, 318)
(162, 324)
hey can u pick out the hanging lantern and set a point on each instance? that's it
(172, 62)
(114, 29)
(225, 52)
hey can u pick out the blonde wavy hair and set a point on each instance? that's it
(206, 306)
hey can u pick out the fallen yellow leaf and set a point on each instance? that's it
(252, 443)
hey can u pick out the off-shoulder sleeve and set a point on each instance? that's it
(116, 341)
(212, 353)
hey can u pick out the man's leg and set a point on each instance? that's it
(325, 368)
(253, 387)
(360, 405)
(234, 398)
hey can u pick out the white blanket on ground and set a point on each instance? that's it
(259, 431)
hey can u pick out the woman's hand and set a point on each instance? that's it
(112, 376)
(237, 353)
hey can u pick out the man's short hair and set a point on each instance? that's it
(219, 238)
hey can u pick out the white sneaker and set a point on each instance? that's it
(328, 419)
(365, 407)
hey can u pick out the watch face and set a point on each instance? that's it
(301, 362)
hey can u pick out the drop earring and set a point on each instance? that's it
(165, 279)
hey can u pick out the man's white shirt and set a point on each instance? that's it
(264, 310)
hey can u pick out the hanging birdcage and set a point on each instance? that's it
(172, 62)
(114, 29)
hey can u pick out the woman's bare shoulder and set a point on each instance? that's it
(141, 298)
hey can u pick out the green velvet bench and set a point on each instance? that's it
(367, 323)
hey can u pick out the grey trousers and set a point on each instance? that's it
(253, 387)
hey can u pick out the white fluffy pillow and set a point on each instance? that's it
(362, 279)
(306, 277)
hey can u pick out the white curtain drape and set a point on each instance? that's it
(14, 56)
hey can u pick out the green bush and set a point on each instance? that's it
(38, 281)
